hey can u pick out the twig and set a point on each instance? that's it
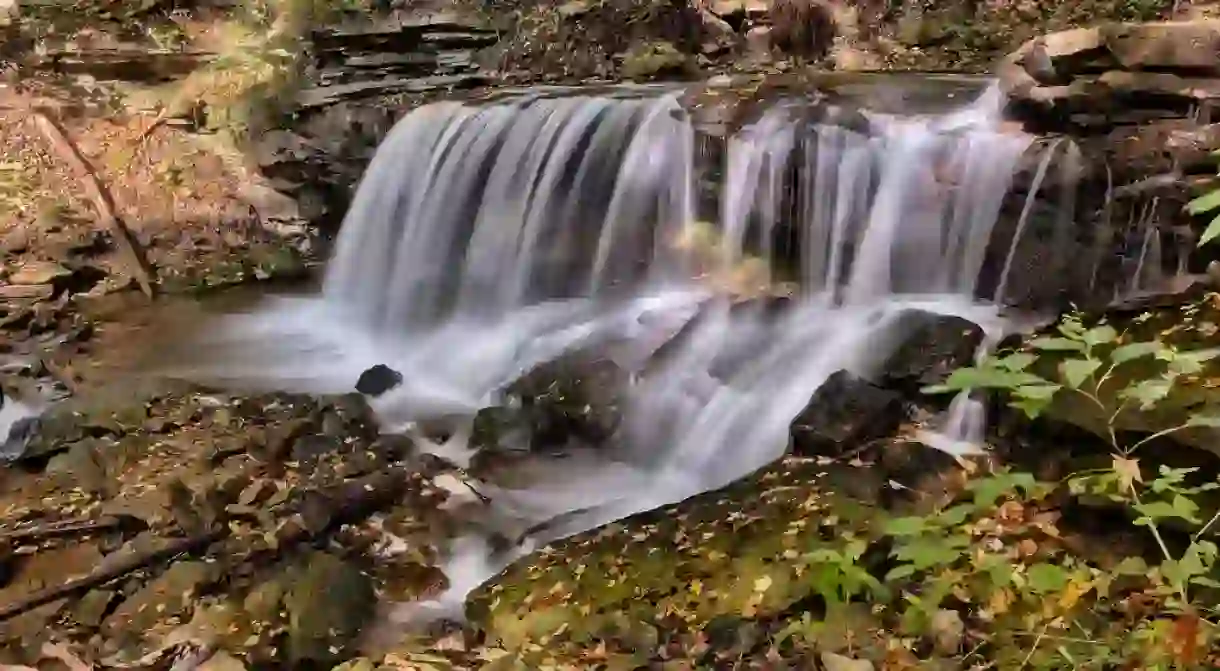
(119, 569)
(137, 266)
(63, 528)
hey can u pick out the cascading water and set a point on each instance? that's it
(485, 240)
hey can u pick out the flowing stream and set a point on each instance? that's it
(485, 240)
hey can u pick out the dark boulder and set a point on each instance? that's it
(935, 346)
(378, 380)
(575, 399)
(845, 413)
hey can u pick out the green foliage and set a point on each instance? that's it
(1113, 374)
(1207, 204)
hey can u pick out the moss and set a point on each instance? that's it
(655, 59)
(746, 552)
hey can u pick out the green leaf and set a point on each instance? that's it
(1210, 233)
(900, 572)
(1212, 421)
(1134, 350)
(1033, 399)
(1205, 203)
(905, 526)
(1016, 362)
(1148, 392)
(1047, 578)
(1180, 507)
(1130, 566)
(1056, 345)
(1076, 371)
(928, 552)
(986, 377)
(1100, 335)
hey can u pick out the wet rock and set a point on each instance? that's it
(739, 552)
(935, 346)
(92, 608)
(171, 594)
(378, 380)
(574, 400)
(328, 604)
(845, 413)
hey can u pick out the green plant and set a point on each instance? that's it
(1204, 204)
(1095, 364)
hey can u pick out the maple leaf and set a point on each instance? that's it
(1128, 471)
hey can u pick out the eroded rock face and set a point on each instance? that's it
(1115, 73)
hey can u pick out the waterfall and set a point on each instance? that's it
(484, 240)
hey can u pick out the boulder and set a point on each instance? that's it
(576, 399)
(378, 380)
(935, 346)
(328, 603)
(844, 413)
(734, 556)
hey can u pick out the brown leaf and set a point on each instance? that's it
(1184, 641)
(1128, 471)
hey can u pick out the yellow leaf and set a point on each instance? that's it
(999, 602)
(1072, 593)
(1128, 471)
(762, 584)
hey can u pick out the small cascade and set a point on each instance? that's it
(485, 240)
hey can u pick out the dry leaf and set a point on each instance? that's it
(1128, 471)
(61, 653)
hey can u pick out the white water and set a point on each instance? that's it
(485, 240)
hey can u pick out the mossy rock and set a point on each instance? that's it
(656, 59)
(745, 552)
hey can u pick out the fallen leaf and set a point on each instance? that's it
(834, 662)
(762, 584)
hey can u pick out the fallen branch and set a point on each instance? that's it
(63, 528)
(118, 569)
(136, 264)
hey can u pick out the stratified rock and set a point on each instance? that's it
(38, 272)
(844, 413)
(328, 604)
(936, 345)
(1180, 45)
(378, 380)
